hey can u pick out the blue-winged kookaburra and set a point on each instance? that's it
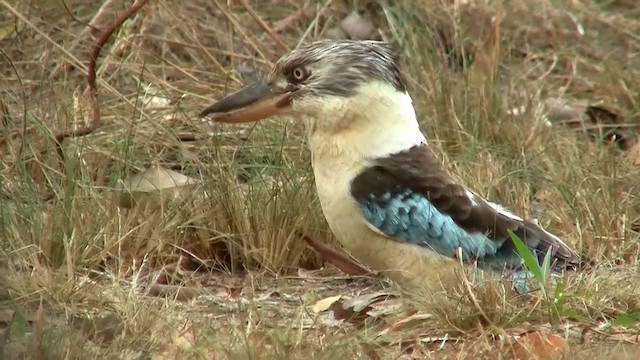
(386, 196)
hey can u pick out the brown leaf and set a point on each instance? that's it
(537, 345)
(356, 309)
(359, 303)
(324, 304)
(357, 27)
(597, 121)
(156, 185)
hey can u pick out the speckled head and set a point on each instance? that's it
(306, 79)
(339, 68)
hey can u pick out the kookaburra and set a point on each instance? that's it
(386, 196)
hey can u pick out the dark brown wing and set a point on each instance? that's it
(409, 196)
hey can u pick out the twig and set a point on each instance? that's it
(68, 55)
(340, 261)
(94, 107)
(264, 26)
(291, 19)
(235, 25)
(314, 23)
(89, 33)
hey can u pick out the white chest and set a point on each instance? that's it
(333, 177)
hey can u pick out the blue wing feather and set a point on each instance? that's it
(409, 197)
(410, 217)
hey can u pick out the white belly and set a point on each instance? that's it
(411, 266)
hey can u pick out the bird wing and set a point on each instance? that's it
(410, 197)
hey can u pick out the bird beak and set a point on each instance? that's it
(253, 103)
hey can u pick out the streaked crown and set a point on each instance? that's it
(338, 68)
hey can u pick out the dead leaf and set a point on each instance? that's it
(325, 304)
(155, 186)
(357, 27)
(596, 121)
(356, 309)
(538, 346)
(359, 303)
(230, 292)
(305, 274)
(153, 98)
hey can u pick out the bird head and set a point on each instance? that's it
(330, 83)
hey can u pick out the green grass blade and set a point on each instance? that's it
(527, 256)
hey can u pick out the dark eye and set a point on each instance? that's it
(299, 74)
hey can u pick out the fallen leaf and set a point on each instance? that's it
(537, 345)
(153, 97)
(359, 303)
(356, 309)
(357, 27)
(156, 185)
(596, 121)
(325, 304)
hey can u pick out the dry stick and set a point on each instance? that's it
(70, 57)
(94, 108)
(237, 26)
(314, 22)
(264, 26)
(282, 25)
(91, 30)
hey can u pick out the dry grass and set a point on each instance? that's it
(68, 246)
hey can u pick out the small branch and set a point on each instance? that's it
(94, 107)
(237, 26)
(281, 25)
(92, 29)
(264, 26)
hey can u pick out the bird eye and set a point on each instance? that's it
(299, 74)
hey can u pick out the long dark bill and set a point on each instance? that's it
(253, 103)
